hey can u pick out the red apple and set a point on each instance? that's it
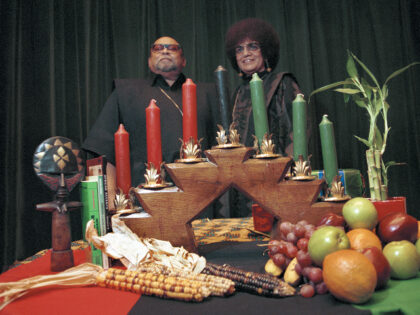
(397, 227)
(381, 264)
(331, 219)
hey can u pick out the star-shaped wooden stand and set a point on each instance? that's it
(197, 185)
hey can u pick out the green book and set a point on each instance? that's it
(90, 211)
(101, 197)
(102, 212)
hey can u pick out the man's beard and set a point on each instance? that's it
(166, 67)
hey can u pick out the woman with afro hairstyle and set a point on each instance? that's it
(252, 45)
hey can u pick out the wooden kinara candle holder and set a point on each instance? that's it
(197, 185)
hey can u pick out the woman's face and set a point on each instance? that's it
(249, 57)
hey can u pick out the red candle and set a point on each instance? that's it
(154, 145)
(189, 109)
(122, 159)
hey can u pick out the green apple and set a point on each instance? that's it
(403, 259)
(325, 240)
(418, 246)
(360, 213)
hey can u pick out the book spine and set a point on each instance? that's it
(90, 211)
(102, 216)
(106, 198)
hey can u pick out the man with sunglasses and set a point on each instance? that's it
(167, 59)
(130, 98)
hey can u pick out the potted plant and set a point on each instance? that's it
(372, 97)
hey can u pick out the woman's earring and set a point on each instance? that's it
(267, 66)
(240, 74)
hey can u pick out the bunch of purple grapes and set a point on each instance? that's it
(293, 243)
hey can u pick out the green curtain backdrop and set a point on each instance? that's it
(58, 60)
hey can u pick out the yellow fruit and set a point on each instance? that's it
(363, 238)
(290, 275)
(349, 276)
(272, 269)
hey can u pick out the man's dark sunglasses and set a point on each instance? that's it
(170, 47)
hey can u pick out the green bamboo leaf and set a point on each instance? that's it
(347, 91)
(385, 170)
(346, 98)
(399, 71)
(366, 69)
(378, 105)
(393, 163)
(329, 86)
(351, 67)
(384, 91)
(367, 88)
(364, 141)
(361, 104)
(360, 101)
(378, 139)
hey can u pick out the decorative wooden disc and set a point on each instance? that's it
(56, 156)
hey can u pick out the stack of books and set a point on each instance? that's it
(97, 193)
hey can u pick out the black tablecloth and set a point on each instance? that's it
(250, 257)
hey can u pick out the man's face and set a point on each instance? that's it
(166, 57)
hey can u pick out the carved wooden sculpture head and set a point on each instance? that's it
(59, 163)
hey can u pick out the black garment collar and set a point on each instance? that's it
(158, 80)
(261, 74)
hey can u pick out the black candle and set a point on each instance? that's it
(223, 96)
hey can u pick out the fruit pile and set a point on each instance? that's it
(349, 255)
(290, 253)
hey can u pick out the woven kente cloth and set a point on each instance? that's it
(225, 230)
(80, 244)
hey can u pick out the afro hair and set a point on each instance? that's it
(257, 30)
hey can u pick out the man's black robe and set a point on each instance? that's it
(127, 105)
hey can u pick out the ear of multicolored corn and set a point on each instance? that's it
(218, 286)
(165, 283)
(257, 283)
(152, 284)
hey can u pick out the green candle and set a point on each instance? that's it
(258, 107)
(329, 152)
(300, 146)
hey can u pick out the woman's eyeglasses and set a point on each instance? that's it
(254, 46)
(170, 47)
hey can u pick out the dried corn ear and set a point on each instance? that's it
(153, 284)
(218, 286)
(252, 282)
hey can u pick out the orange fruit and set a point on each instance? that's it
(349, 276)
(363, 238)
(418, 232)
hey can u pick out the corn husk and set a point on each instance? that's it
(81, 275)
(134, 251)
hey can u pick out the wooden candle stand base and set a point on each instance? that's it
(197, 185)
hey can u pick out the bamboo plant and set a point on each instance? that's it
(372, 97)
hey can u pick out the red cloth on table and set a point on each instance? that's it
(63, 301)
